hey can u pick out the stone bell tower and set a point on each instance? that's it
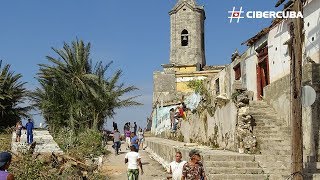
(187, 34)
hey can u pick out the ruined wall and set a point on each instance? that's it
(217, 131)
(277, 94)
(164, 86)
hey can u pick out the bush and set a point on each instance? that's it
(26, 167)
(85, 144)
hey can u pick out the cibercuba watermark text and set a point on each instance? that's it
(240, 14)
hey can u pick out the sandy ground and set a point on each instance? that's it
(115, 167)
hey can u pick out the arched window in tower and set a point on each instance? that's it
(184, 38)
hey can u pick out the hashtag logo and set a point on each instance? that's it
(235, 14)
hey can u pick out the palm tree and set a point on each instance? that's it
(12, 95)
(74, 94)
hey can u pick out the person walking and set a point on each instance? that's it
(172, 119)
(193, 170)
(5, 161)
(141, 137)
(18, 131)
(125, 127)
(115, 125)
(176, 167)
(29, 127)
(128, 134)
(116, 141)
(135, 127)
(135, 141)
(134, 160)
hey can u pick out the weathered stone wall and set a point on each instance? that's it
(277, 94)
(164, 86)
(217, 131)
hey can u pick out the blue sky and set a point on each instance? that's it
(133, 34)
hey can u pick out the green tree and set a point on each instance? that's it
(12, 95)
(75, 94)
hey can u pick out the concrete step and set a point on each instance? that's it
(229, 157)
(262, 136)
(263, 114)
(222, 170)
(275, 152)
(259, 128)
(271, 131)
(266, 132)
(287, 149)
(274, 158)
(259, 103)
(238, 177)
(279, 139)
(231, 164)
(271, 146)
(267, 122)
(262, 110)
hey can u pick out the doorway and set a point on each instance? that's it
(263, 78)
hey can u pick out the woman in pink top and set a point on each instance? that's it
(127, 133)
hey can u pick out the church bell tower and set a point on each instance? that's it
(187, 46)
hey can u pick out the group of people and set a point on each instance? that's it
(191, 170)
(29, 127)
(176, 114)
(179, 169)
(132, 137)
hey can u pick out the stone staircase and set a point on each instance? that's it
(233, 167)
(273, 162)
(273, 140)
(273, 137)
(219, 164)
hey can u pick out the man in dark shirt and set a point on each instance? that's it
(115, 125)
(135, 128)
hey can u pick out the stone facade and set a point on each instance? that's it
(186, 15)
(187, 55)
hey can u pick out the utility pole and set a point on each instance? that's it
(296, 32)
(295, 48)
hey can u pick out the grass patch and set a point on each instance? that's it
(5, 139)
(86, 144)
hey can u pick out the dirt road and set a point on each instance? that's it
(116, 169)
